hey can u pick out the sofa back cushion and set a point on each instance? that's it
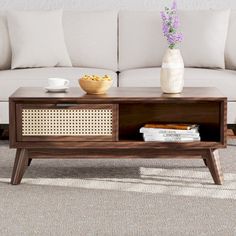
(37, 39)
(205, 34)
(230, 49)
(5, 48)
(91, 38)
(141, 43)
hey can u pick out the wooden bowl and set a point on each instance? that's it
(95, 87)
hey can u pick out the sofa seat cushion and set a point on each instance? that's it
(224, 80)
(10, 80)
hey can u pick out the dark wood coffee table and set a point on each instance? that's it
(77, 125)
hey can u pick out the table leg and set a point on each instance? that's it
(234, 129)
(29, 161)
(213, 163)
(21, 161)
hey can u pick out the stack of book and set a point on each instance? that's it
(170, 132)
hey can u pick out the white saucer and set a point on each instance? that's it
(56, 89)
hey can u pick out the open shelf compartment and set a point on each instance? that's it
(206, 114)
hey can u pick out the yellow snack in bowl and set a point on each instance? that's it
(96, 78)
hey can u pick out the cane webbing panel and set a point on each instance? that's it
(71, 122)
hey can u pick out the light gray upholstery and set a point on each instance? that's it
(149, 77)
(92, 41)
(224, 80)
(10, 80)
(91, 38)
(230, 47)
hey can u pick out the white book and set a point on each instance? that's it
(156, 135)
(151, 139)
(167, 131)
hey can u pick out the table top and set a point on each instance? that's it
(119, 94)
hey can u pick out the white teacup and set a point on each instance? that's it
(58, 82)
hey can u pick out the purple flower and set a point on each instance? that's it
(170, 24)
(163, 15)
(176, 22)
(165, 29)
(174, 5)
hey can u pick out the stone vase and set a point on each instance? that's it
(172, 72)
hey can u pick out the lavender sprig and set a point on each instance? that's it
(170, 24)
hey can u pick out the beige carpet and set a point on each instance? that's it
(118, 197)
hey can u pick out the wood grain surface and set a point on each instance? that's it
(132, 108)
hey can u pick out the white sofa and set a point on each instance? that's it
(108, 42)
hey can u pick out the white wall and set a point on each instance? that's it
(115, 4)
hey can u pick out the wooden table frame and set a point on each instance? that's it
(132, 107)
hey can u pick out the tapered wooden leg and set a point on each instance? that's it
(205, 161)
(213, 163)
(29, 161)
(234, 129)
(21, 161)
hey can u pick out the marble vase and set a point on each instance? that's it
(172, 72)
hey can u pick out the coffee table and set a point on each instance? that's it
(78, 125)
